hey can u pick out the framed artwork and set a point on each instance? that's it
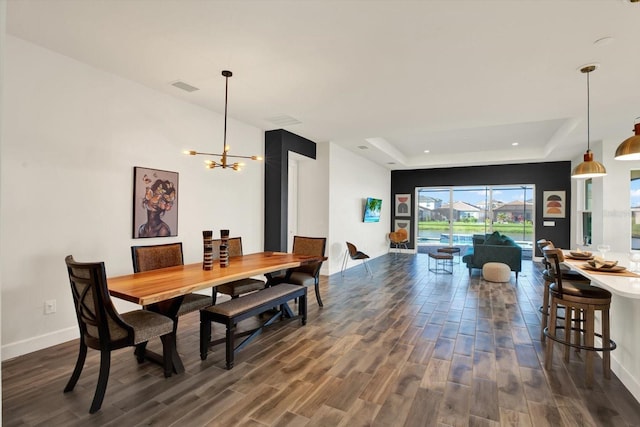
(155, 203)
(554, 204)
(403, 223)
(403, 204)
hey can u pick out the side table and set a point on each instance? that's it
(451, 250)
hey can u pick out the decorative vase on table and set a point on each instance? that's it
(207, 259)
(224, 248)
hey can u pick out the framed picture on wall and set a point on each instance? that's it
(403, 223)
(155, 203)
(403, 204)
(554, 204)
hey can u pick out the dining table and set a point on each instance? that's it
(163, 290)
(624, 285)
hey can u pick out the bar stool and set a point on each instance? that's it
(578, 298)
(567, 274)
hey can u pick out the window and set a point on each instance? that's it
(635, 209)
(452, 215)
(586, 212)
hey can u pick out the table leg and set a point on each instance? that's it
(167, 308)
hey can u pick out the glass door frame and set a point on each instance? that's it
(466, 214)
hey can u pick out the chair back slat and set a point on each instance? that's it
(100, 325)
(152, 257)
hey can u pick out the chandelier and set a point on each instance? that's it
(224, 162)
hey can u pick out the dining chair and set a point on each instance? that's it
(239, 287)
(103, 328)
(353, 253)
(153, 257)
(308, 274)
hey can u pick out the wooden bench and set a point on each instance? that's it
(231, 312)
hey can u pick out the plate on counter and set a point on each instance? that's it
(580, 258)
(614, 269)
(580, 255)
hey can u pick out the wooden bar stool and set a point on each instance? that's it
(579, 299)
(567, 274)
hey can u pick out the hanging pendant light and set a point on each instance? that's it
(225, 156)
(589, 168)
(630, 147)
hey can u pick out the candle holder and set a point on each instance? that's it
(224, 248)
(207, 258)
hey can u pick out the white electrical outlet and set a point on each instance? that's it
(50, 306)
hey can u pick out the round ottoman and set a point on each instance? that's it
(496, 272)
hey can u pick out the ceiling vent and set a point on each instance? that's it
(184, 86)
(283, 120)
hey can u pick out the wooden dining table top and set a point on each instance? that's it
(154, 286)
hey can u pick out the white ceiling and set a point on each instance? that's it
(463, 79)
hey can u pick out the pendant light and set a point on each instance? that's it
(224, 157)
(630, 147)
(589, 168)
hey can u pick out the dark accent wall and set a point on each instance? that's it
(546, 177)
(277, 144)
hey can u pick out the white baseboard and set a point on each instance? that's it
(19, 348)
(630, 382)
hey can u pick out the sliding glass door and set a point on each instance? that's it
(452, 215)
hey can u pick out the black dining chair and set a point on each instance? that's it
(238, 287)
(153, 257)
(103, 328)
(308, 274)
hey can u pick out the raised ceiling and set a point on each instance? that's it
(462, 79)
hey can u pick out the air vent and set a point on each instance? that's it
(283, 120)
(184, 86)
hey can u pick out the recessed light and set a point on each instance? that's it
(594, 66)
(515, 144)
(363, 147)
(391, 163)
(426, 151)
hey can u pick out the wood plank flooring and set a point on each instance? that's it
(406, 348)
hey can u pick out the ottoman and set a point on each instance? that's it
(496, 272)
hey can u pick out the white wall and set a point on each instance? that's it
(3, 26)
(313, 196)
(612, 225)
(71, 137)
(351, 180)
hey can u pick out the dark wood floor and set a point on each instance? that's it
(407, 347)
